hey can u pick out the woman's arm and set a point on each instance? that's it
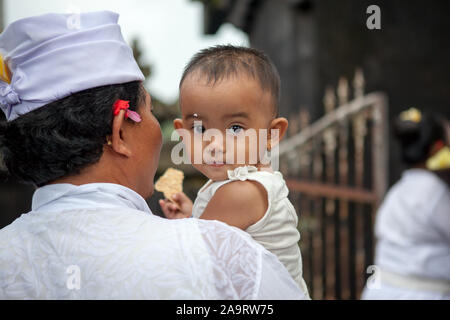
(440, 218)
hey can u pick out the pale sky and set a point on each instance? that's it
(169, 31)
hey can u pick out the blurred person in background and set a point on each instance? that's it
(413, 223)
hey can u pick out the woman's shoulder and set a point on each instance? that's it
(418, 187)
(410, 204)
(421, 179)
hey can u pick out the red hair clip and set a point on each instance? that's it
(439, 144)
(124, 105)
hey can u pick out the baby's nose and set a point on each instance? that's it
(216, 147)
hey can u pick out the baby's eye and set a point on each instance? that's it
(198, 129)
(235, 129)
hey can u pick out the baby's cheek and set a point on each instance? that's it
(245, 150)
(262, 147)
(194, 149)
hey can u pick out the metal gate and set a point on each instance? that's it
(337, 172)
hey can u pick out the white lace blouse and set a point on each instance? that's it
(101, 241)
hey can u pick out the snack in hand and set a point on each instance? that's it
(170, 182)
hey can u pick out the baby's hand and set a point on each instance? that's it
(182, 208)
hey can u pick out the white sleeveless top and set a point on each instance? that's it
(277, 229)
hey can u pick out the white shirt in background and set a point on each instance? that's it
(413, 239)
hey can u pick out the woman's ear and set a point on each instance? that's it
(118, 144)
(273, 138)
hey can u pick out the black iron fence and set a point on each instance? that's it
(337, 172)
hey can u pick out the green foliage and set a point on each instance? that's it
(137, 53)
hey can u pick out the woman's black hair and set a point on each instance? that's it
(417, 137)
(65, 136)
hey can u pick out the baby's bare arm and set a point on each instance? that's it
(238, 203)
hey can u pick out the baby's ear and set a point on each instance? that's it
(178, 125)
(274, 137)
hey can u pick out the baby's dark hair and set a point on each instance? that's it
(63, 137)
(222, 61)
(417, 136)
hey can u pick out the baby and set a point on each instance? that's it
(234, 93)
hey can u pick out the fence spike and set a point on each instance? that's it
(342, 91)
(293, 127)
(303, 118)
(359, 83)
(329, 100)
